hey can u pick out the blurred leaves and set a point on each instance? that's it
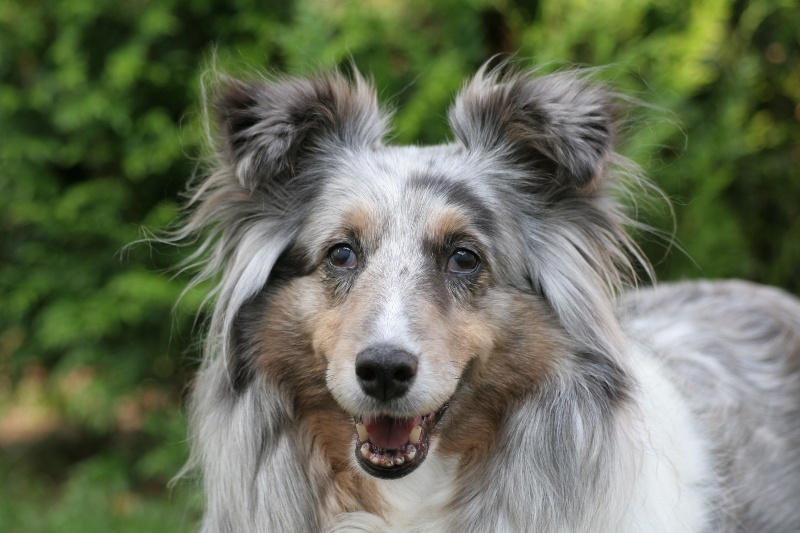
(100, 128)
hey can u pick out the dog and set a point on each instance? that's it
(451, 338)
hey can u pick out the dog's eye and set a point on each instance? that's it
(342, 256)
(463, 262)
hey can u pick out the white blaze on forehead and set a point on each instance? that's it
(392, 325)
(395, 267)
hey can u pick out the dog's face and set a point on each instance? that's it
(405, 289)
(405, 261)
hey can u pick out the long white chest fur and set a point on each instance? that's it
(670, 486)
(415, 502)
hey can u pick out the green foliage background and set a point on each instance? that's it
(99, 129)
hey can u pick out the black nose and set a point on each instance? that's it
(385, 372)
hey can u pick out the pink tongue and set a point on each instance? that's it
(390, 433)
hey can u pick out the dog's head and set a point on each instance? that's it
(422, 288)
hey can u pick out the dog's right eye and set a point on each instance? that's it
(463, 262)
(342, 256)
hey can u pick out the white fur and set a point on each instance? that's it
(670, 492)
(414, 503)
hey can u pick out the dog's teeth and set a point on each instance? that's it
(411, 452)
(375, 459)
(399, 460)
(362, 432)
(388, 461)
(365, 450)
(415, 433)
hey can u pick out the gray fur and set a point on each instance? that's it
(560, 123)
(733, 350)
(533, 172)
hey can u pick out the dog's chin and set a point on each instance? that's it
(390, 448)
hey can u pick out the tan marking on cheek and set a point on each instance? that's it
(523, 341)
(350, 490)
(339, 333)
(475, 337)
(459, 339)
(290, 314)
(292, 328)
(287, 355)
(324, 332)
(461, 334)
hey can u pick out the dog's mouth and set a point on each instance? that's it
(390, 448)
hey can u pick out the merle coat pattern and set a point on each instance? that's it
(445, 338)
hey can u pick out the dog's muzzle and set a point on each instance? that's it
(385, 446)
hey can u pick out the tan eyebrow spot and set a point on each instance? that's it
(440, 226)
(360, 219)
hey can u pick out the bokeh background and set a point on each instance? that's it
(100, 128)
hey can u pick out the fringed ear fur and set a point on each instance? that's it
(561, 126)
(267, 127)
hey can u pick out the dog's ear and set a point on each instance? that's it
(559, 125)
(268, 127)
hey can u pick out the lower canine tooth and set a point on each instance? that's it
(365, 450)
(415, 433)
(411, 452)
(362, 432)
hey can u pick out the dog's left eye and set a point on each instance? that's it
(342, 256)
(463, 262)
